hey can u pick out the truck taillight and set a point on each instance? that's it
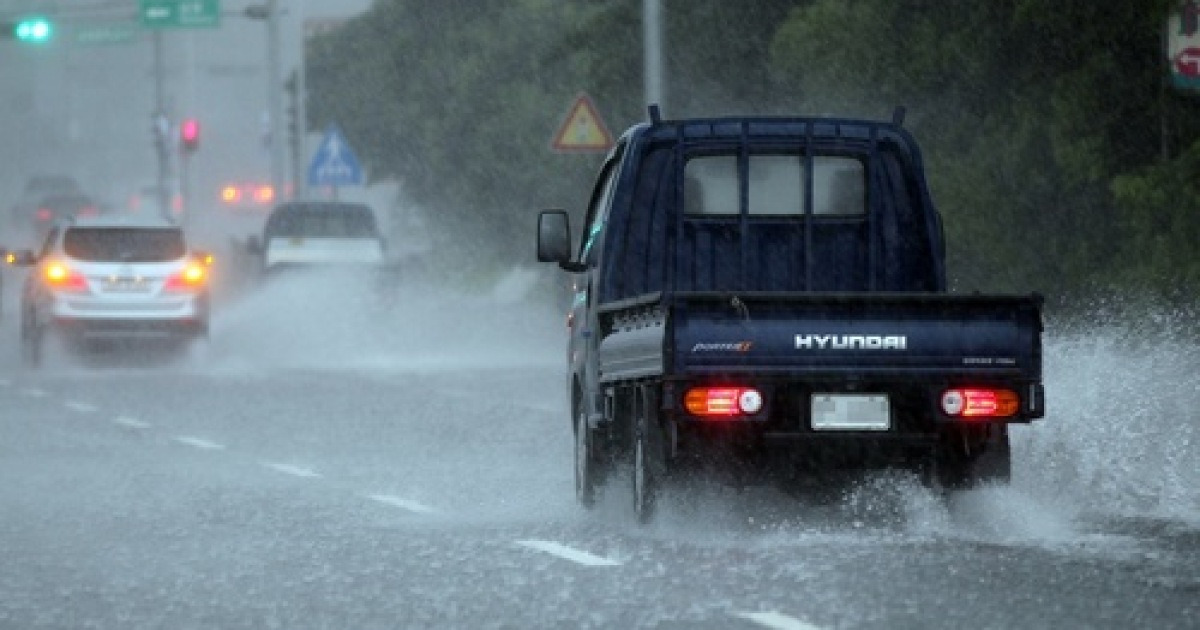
(723, 402)
(980, 402)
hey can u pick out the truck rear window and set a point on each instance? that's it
(776, 185)
(124, 244)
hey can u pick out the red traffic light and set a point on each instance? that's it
(189, 133)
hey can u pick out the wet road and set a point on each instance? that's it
(409, 466)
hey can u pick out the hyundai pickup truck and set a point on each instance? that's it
(766, 296)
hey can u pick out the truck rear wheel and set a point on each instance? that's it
(649, 462)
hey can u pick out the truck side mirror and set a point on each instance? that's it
(554, 237)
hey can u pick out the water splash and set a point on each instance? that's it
(1121, 429)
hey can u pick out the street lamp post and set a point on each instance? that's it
(652, 36)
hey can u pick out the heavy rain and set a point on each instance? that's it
(373, 423)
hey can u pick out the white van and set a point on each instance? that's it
(300, 233)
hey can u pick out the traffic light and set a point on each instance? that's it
(35, 30)
(189, 134)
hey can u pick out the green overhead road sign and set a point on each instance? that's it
(180, 13)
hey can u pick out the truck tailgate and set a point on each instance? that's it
(896, 335)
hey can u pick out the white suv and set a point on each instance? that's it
(113, 277)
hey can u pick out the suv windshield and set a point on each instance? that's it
(124, 244)
(322, 221)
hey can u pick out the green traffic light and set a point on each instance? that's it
(34, 29)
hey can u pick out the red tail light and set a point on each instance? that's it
(231, 194)
(980, 402)
(264, 194)
(190, 278)
(45, 214)
(723, 402)
(62, 278)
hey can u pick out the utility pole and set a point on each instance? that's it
(275, 98)
(301, 166)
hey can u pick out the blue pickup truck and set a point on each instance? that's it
(766, 297)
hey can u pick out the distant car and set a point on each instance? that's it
(38, 186)
(247, 198)
(23, 214)
(36, 218)
(148, 199)
(321, 233)
(113, 277)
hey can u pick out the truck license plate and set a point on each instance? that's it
(851, 412)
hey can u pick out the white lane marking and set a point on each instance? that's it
(776, 621)
(130, 423)
(5, 382)
(404, 504)
(81, 407)
(34, 392)
(567, 553)
(294, 471)
(200, 443)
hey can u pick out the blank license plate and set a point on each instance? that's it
(124, 284)
(851, 412)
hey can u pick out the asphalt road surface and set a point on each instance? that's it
(331, 461)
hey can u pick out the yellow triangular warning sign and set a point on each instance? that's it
(582, 129)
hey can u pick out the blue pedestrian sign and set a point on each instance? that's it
(334, 163)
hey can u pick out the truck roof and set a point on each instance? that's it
(765, 129)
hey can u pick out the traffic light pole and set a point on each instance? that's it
(162, 131)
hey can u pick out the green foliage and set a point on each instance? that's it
(1160, 211)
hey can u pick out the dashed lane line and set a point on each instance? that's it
(130, 423)
(199, 443)
(34, 392)
(294, 471)
(80, 407)
(402, 503)
(5, 382)
(567, 553)
(776, 621)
